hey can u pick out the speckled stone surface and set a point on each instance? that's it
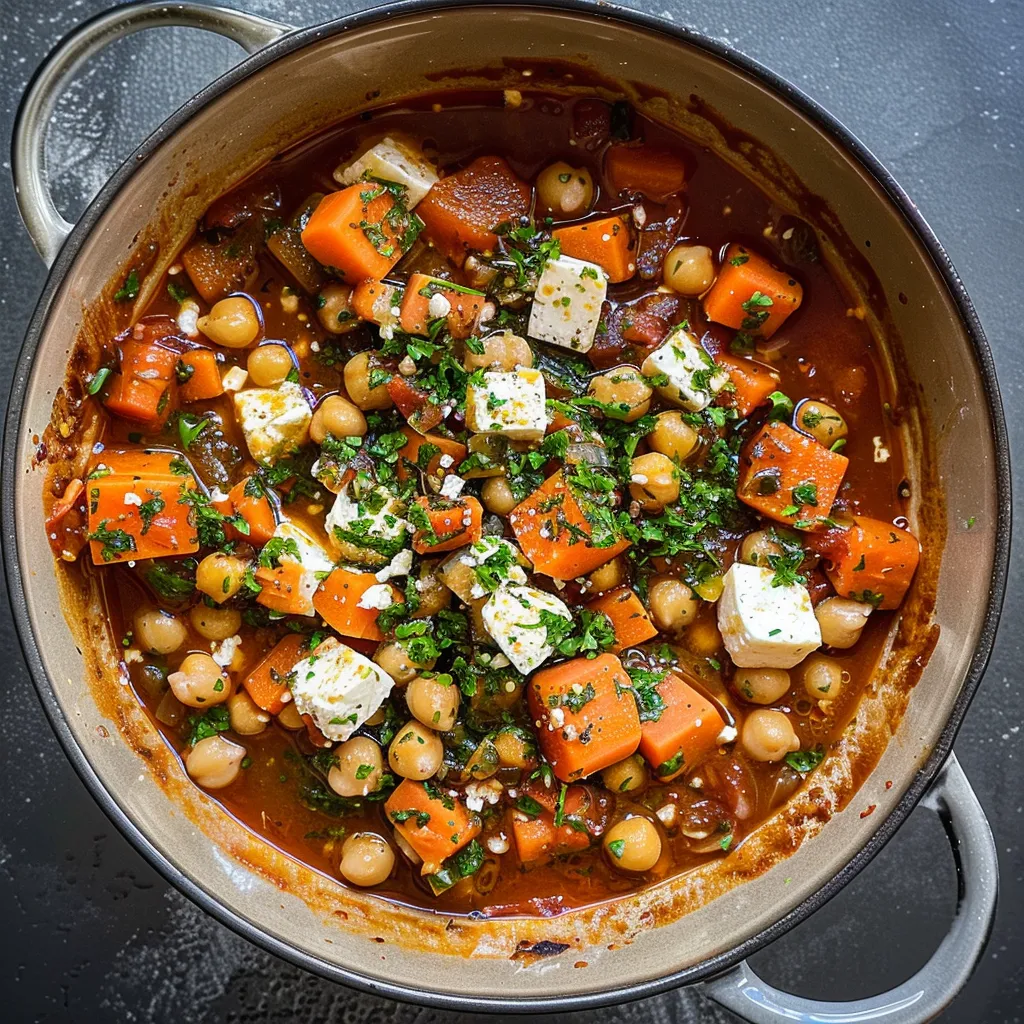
(90, 932)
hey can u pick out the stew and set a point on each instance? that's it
(499, 505)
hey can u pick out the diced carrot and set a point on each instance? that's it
(135, 509)
(593, 715)
(688, 729)
(205, 381)
(255, 508)
(337, 601)
(434, 824)
(872, 561)
(266, 682)
(65, 525)
(750, 294)
(555, 537)
(606, 242)
(142, 392)
(286, 588)
(753, 383)
(374, 300)
(657, 173)
(537, 837)
(409, 455)
(453, 524)
(627, 615)
(461, 211)
(415, 404)
(464, 305)
(354, 232)
(789, 477)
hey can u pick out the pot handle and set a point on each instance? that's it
(931, 989)
(46, 227)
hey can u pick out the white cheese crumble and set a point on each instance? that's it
(234, 379)
(438, 306)
(378, 597)
(224, 652)
(451, 486)
(400, 565)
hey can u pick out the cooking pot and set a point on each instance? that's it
(699, 926)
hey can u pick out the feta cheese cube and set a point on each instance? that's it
(765, 626)
(275, 421)
(235, 379)
(451, 486)
(374, 520)
(393, 160)
(512, 617)
(511, 404)
(567, 304)
(311, 556)
(377, 598)
(694, 378)
(339, 689)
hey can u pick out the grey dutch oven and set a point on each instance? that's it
(696, 928)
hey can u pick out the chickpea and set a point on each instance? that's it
(434, 596)
(334, 308)
(232, 322)
(214, 762)
(689, 269)
(416, 752)
(841, 620)
(397, 662)
(757, 546)
(672, 603)
(433, 702)
(823, 677)
(608, 576)
(655, 481)
(703, 639)
(247, 717)
(633, 844)
(497, 496)
(357, 384)
(762, 685)
(199, 682)
(627, 775)
(366, 859)
(358, 769)
(673, 436)
(821, 421)
(564, 191)
(158, 632)
(514, 748)
(290, 718)
(624, 390)
(338, 416)
(215, 623)
(503, 351)
(268, 365)
(768, 735)
(220, 576)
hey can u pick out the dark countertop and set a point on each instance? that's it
(936, 89)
